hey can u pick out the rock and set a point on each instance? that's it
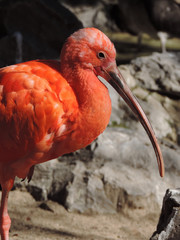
(42, 38)
(99, 14)
(85, 194)
(168, 227)
(158, 72)
(162, 112)
(132, 165)
(120, 171)
(160, 103)
(49, 180)
(44, 206)
(159, 117)
(61, 176)
(42, 179)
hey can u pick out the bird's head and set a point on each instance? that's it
(92, 50)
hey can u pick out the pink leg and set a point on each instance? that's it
(5, 221)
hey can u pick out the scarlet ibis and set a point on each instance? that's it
(49, 108)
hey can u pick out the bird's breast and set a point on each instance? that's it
(87, 124)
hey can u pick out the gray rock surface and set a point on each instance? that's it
(161, 104)
(159, 72)
(122, 173)
(99, 14)
(168, 227)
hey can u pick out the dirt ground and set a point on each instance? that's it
(30, 222)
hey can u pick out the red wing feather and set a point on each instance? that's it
(30, 107)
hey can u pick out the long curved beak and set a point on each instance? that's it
(116, 80)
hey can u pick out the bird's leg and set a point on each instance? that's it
(5, 221)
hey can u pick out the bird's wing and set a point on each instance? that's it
(35, 101)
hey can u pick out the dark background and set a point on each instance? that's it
(38, 28)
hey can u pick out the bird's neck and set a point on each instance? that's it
(93, 99)
(89, 90)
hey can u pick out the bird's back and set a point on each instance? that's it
(35, 100)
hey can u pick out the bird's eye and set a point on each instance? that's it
(101, 55)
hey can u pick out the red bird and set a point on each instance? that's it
(49, 108)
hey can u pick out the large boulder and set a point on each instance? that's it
(158, 72)
(155, 80)
(121, 172)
